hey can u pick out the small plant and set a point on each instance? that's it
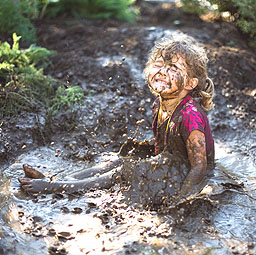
(66, 98)
(23, 86)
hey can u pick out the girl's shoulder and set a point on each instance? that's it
(192, 107)
(192, 116)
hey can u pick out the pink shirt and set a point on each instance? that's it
(188, 116)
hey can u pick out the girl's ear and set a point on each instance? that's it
(191, 84)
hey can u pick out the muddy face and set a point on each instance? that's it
(167, 78)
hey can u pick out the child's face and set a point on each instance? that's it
(168, 79)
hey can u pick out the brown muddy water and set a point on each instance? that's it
(219, 220)
(102, 222)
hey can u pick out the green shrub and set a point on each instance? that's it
(23, 85)
(243, 11)
(247, 16)
(194, 7)
(119, 9)
(15, 17)
(225, 5)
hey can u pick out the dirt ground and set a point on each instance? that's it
(106, 58)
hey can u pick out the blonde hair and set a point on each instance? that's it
(196, 60)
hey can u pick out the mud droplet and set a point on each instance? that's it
(21, 213)
(37, 218)
(77, 210)
(65, 209)
(64, 234)
(92, 205)
(51, 232)
(58, 196)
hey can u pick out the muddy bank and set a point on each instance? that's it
(106, 58)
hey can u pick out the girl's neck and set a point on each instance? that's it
(168, 105)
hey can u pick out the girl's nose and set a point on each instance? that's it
(164, 70)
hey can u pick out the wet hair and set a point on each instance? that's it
(196, 60)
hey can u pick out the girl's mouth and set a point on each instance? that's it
(160, 85)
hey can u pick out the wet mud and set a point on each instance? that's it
(106, 58)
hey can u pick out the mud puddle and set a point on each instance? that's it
(101, 222)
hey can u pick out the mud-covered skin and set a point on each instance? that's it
(111, 163)
(99, 176)
(197, 157)
(147, 179)
(167, 78)
(46, 186)
(30, 172)
(154, 181)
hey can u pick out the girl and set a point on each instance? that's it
(176, 73)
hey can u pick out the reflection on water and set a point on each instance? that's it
(100, 222)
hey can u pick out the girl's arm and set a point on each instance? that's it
(196, 148)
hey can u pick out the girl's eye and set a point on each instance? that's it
(158, 65)
(173, 68)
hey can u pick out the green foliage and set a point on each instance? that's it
(119, 9)
(66, 98)
(16, 17)
(23, 86)
(225, 5)
(247, 19)
(193, 7)
(244, 11)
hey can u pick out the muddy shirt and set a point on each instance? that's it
(188, 116)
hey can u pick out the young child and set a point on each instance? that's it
(176, 73)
